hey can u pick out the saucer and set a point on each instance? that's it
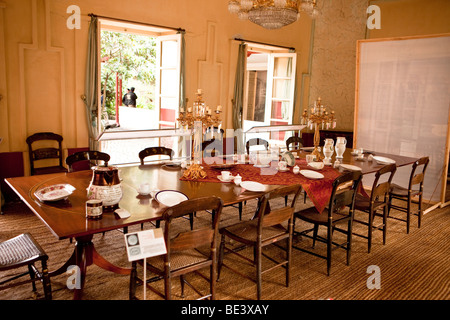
(261, 165)
(230, 179)
(283, 170)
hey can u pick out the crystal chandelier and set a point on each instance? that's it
(310, 8)
(272, 14)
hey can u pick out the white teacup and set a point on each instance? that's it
(226, 175)
(282, 165)
(310, 158)
(144, 188)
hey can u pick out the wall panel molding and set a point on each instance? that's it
(40, 59)
(4, 123)
(210, 71)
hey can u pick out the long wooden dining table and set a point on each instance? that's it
(67, 218)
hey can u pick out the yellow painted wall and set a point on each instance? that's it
(402, 18)
(42, 62)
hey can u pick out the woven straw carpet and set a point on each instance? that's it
(413, 266)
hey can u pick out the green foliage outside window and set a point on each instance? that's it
(133, 58)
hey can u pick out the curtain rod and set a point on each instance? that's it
(137, 22)
(266, 44)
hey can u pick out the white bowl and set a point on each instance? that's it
(316, 165)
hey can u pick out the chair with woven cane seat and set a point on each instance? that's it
(153, 151)
(340, 210)
(256, 142)
(20, 251)
(406, 194)
(296, 141)
(269, 226)
(38, 153)
(378, 200)
(187, 251)
(89, 156)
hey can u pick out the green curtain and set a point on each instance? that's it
(182, 71)
(238, 97)
(90, 97)
(182, 102)
(295, 86)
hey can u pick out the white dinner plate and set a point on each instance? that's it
(350, 167)
(55, 192)
(170, 197)
(383, 160)
(311, 174)
(253, 186)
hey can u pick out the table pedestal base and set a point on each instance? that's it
(83, 256)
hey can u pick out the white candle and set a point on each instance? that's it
(219, 108)
(199, 91)
(189, 109)
(182, 109)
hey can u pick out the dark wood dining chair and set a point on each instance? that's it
(187, 251)
(92, 157)
(406, 194)
(340, 210)
(39, 154)
(212, 148)
(153, 151)
(297, 142)
(270, 226)
(213, 132)
(20, 251)
(256, 142)
(378, 201)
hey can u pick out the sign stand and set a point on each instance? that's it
(142, 245)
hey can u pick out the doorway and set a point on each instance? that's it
(147, 59)
(269, 90)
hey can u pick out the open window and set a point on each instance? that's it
(269, 90)
(146, 58)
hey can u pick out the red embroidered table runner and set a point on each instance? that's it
(319, 191)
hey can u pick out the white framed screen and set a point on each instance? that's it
(403, 102)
